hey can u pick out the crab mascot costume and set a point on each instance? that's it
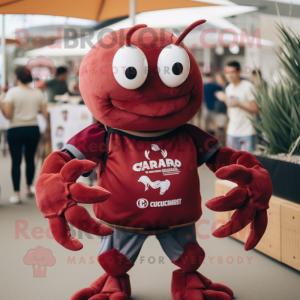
(143, 85)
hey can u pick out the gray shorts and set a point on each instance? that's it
(130, 244)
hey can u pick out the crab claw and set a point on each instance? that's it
(80, 218)
(61, 232)
(250, 199)
(57, 195)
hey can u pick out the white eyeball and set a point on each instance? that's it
(130, 67)
(173, 65)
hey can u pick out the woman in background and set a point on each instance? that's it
(21, 105)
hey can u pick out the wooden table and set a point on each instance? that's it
(281, 240)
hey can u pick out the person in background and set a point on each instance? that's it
(240, 102)
(221, 118)
(210, 87)
(21, 105)
(58, 85)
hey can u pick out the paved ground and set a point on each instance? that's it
(255, 277)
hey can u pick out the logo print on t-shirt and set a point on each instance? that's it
(154, 147)
(163, 185)
(166, 166)
(142, 203)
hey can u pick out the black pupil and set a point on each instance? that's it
(177, 68)
(130, 73)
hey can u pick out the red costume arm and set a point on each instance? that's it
(250, 198)
(206, 144)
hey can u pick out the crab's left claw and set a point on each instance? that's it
(250, 199)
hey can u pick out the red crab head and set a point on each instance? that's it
(142, 79)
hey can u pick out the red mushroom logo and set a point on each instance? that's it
(39, 258)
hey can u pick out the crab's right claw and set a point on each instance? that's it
(57, 196)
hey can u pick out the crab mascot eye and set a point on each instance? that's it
(130, 66)
(173, 65)
(173, 62)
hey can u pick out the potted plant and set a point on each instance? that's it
(279, 120)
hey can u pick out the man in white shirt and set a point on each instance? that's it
(240, 101)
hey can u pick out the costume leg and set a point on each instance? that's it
(117, 255)
(181, 246)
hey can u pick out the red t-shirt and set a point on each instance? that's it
(153, 180)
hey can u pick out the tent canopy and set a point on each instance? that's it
(98, 10)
